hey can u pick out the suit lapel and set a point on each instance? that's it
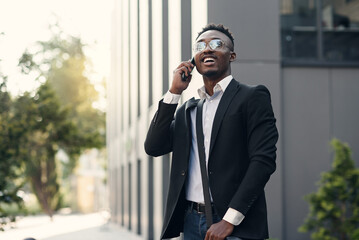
(226, 99)
(191, 103)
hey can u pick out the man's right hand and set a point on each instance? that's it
(178, 85)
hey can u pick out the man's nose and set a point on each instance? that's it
(207, 48)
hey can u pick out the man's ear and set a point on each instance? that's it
(233, 56)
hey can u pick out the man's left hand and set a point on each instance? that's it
(219, 231)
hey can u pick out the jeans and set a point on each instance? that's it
(195, 227)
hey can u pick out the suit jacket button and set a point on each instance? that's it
(183, 173)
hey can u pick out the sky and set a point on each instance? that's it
(24, 22)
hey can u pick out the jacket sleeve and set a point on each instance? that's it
(159, 140)
(262, 136)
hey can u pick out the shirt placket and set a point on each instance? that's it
(207, 126)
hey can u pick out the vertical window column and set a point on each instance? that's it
(150, 198)
(139, 195)
(165, 49)
(150, 65)
(186, 30)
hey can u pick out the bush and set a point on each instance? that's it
(334, 208)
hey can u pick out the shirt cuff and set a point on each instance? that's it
(171, 98)
(233, 216)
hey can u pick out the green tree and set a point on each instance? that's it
(46, 128)
(334, 208)
(8, 190)
(58, 115)
(10, 167)
(61, 61)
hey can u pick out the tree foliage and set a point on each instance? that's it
(47, 128)
(61, 61)
(34, 128)
(334, 208)
(58, 115)
(9, 165)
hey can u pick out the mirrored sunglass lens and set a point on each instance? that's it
(199, 46)
(214, 44)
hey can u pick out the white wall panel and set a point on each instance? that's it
(157, 49)
(174, 37)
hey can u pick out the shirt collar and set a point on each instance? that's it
(219, 87)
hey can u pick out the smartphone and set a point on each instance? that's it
(184, 78)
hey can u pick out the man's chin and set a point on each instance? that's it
(210, 73)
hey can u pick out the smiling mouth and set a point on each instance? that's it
(208, 60)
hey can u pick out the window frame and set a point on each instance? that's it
(319, 61)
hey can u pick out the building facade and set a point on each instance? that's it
(305, 52)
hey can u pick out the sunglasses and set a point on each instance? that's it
(213, 44)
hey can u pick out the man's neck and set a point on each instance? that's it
(210, 83)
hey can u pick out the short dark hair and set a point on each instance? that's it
(217, 27)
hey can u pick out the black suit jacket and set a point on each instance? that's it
(241, 157)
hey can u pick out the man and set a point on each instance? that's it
(239, 138)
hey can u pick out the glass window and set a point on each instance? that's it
(298, 33)
(320, 30)
(340, 20)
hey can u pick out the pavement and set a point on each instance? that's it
(92, 226)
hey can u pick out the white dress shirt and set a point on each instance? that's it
(194, 189)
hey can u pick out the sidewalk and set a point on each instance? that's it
(67, 227)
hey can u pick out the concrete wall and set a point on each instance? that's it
(318, 104)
